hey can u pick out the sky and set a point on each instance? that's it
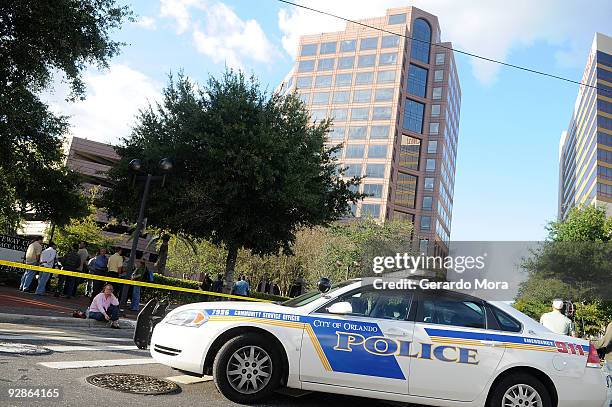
(510, 124)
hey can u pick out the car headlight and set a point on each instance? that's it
(193, 318)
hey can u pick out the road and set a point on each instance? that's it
(79, 352)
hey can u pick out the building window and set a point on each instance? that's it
(397, 19)
(432, 147)
(381, 113)
(435, 110)
(337, 132)
(360, 113)
(385, 77)
(368, 43)
(430, 166)
(362, 96)
(375, 171)
(389, 58)
(344, 79)
(438, 75)
(384, 95)
(405, 193)
(346, 62)
(318, 114)
(320, 98)
(364, 78)
(347, 45)
(337, 154)
(423, 246)
(325, 64)
(323, 81)
(377, 151)
(434, 128)
(372, 210)
(427, 202)
(306, 66)
(353, 170)
(305, 97)
(410, 152)
(303, 82)
(421, 38)
(341, 96)
(339, 115)
(309, 50)
(379, 132)
(355, 151)
(390, 41)
(328, 48)
(417, 80)
(373, 190)
(366, 61)
(357, 132)
(436, 94)
(413, 116)
(440, 59)
(428, 184)
(425, 222)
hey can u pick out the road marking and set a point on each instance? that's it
(186, 379)
(30, 331)
(79, 364)
(70, 348)
(62, 338)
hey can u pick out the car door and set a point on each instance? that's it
(455, 355)
(360, 348)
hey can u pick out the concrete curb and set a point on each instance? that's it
(59, 321)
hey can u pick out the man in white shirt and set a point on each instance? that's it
(47, 259)
(32, 258)
(556, 321)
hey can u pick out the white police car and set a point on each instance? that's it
(435, 348)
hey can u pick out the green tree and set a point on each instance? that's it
(583, 224)
(250, 167)
(39, 38)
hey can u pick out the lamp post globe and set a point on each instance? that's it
(135, 164)
(165, 164)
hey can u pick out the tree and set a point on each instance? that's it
(250, 167)
(39, 38)
(583, 224)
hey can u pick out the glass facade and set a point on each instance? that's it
(421, 38)
(413, 116)
(417, 81)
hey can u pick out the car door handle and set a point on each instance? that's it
(397, 332)
(492, 344)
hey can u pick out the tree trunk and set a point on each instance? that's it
(230, 265)
(162, 258)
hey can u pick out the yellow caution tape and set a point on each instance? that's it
(125, 281)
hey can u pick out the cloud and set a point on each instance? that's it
(219, 33)
(148, 23)
(490, 28)
(114, 97)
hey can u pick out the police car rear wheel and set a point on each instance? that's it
(520, 390)
(247, 368)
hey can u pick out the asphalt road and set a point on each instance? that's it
(87, 347)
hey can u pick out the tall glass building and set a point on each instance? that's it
(395, 102)
(585, 149)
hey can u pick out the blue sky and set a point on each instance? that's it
(506, 183)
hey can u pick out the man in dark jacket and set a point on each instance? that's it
(71, 261)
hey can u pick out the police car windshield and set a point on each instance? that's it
(311, 296)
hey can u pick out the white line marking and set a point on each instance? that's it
(78, 364)
(70, 348)
(186, 379)
(62, 338)
(30, 331)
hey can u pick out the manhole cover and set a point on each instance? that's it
(22, 349)
(133, 383)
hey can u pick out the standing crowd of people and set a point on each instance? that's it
(242, 286)
(106, 298)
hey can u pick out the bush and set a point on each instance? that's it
(179, 297)
(10, 276)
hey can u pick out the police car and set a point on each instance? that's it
(438, 348)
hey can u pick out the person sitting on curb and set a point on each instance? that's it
(105, 307)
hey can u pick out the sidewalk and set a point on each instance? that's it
(19, 307)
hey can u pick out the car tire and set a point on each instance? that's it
(525, 384)
(247, 368)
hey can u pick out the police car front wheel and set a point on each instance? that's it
(247, 368)
(520, 390)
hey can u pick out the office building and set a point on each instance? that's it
(585, 149)
(394, 97)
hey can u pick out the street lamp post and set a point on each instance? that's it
(165, 165)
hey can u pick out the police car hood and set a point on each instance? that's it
(534, 328)
(238, 305)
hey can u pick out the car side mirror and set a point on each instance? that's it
(340, 308)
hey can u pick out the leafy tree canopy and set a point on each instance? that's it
(583, 224)
(250, 167)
